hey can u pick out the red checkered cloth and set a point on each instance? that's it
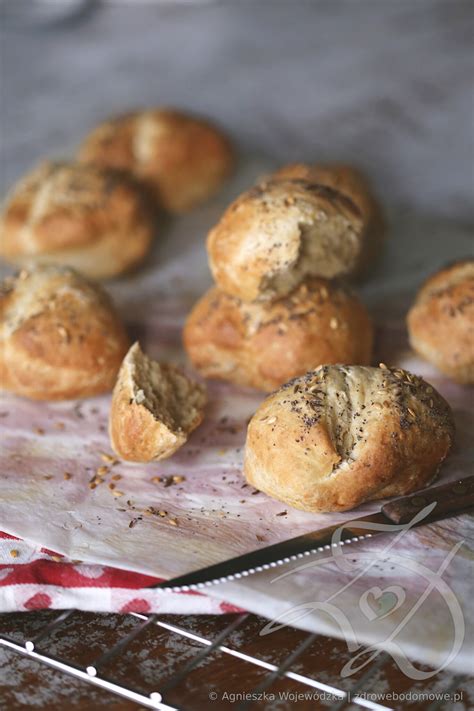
(34, 578)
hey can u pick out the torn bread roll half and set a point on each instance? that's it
(264, 344)
(342, 435)
(154, 408)
(441, 321)
(60, 336)
(281, 231)
(94, 220)
(182, 159)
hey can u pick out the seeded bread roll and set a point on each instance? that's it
(263, 344)
(60, 336)
(278, 233)
(342, 435)
(441, 321)
(88, 218)
(354, 185)
(154, 409)
(182, 159)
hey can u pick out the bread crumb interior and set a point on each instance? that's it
(167, 393)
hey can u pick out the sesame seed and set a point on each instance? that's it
(333, 323)
(102, 471)
(324, 292)
(271, 421)
(67, 475)
(162, 513)
(178, 479)
(111, 487)
(431, 403)
(117, 493)
(156, 480)
(383, 366)
(173, 521)
(14, 553)
(411, 413)
(116, 477)
(92, 485)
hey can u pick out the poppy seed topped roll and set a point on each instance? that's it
(342, 435)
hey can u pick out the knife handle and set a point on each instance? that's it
(450, 498)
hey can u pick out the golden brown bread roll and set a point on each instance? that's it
(154, 408)
(91, 219)
(279, 232)
(441, 321)
(263, 344)
(183, 159)
(342, 435)
(60, 336)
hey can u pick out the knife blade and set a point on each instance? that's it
(413, 510)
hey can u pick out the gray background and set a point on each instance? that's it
(384, 83)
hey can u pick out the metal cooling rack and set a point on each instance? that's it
(91, 673)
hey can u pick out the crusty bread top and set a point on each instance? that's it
(62, 205)
(278, 232)
(344, 398)
(182, 158)
(323, 298)
(446, 280)
(60, 336)
(345, 178)
(45, 289)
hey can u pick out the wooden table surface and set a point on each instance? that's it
(149, 662)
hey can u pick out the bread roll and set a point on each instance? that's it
(60, 337)
(154, 409)
(263, 344)
(441, 321)
(88, 218)
(183, 159)
(278, 233)
(342, 435)
(354, 185)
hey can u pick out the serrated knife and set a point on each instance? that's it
(413, 510)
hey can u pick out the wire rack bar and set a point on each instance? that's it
(68, 668)
(30, 644)
(187, 668)
(119, 646)
(91, 673)
(307, 681)
(280, 670)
